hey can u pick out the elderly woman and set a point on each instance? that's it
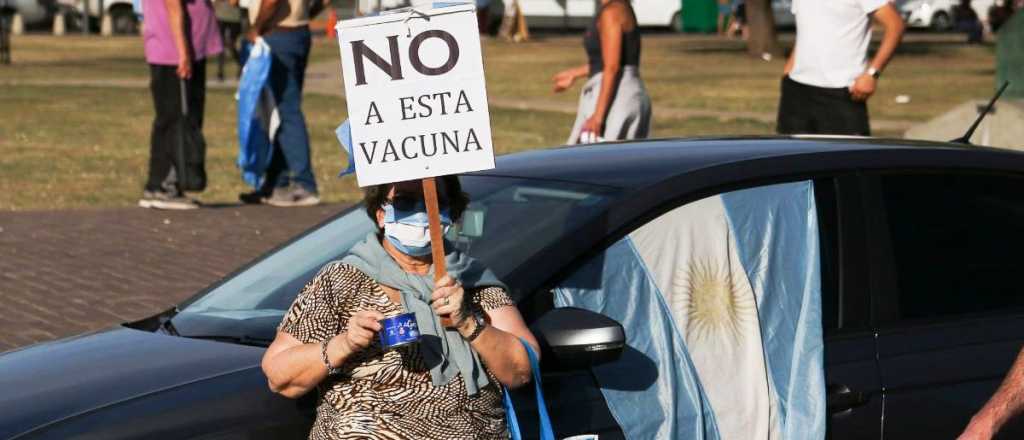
(445, 386)
(614, 104)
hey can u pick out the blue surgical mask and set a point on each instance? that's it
(409, 231)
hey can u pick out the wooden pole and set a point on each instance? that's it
(436, 234)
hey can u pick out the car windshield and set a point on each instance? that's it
(507, 221)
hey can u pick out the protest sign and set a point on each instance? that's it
(417, 100)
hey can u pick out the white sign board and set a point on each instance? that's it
(417, 101)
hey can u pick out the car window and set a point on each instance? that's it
(720, 300)
(507, 221)
(956, 243)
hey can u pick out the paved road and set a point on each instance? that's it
(67, 272)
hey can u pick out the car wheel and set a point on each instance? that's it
(124, 21)
(677, 21)
(941, 21)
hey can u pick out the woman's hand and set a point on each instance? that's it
(592, 130)
(184, 70)
(447, 299)
(362, 329)
(564, 79)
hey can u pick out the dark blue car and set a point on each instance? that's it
(917, 251)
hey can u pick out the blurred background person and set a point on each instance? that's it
(483, 16)
(999, 13)
(7, 12)
(229, 20)
(738, 20)
(724, 11)
(828, 79)
(178, 36)
(284, 26)
(614, 104)
(966, 21)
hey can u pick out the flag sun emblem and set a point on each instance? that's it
(715, 300)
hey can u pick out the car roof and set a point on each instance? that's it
(637, 164)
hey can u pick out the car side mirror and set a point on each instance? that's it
(573, 338)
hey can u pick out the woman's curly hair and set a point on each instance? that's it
(376, 196)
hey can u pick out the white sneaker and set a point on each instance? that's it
(292, 196)
(165, 200)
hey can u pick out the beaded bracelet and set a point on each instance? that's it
(323, 356)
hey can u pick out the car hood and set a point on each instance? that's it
(49, 382)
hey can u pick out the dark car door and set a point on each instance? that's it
(854, 388)
(854, 399)
(948, 302)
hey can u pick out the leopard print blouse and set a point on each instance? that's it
(387, 394)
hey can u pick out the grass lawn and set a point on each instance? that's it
(81, 147)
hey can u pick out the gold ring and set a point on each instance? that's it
(446, 300)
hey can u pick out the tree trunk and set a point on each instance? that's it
(762, 29)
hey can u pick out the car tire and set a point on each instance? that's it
(941, 22)
(677, 22)
(124, 21)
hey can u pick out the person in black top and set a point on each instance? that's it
(614, 104)
(967, 21)
(7, 12)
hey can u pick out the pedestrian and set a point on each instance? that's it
(483, 16)
(284, 26)
(614, 104)
(738, 20)
(966, 20)
(827, 79)
(229, 20)
(177, 36)
(724, 10)
(7, 12)
(999, 13)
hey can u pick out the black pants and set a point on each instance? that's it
(166, 89)
(805, 109)
(230, 31)
(6, 22)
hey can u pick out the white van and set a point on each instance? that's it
(937, 14)
(579, 13)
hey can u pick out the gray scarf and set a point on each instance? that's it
(443, 350)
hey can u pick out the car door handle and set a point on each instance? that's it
(842, 398)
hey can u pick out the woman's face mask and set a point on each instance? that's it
(407, 227)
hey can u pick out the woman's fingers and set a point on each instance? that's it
(445, 281)
(368, 319)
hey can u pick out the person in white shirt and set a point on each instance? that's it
(828, 78)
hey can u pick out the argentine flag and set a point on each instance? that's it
(721, 303)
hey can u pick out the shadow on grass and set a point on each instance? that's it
(929, 48)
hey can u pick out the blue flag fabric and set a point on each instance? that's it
(721, 303)
(256, 115)
(344, 135)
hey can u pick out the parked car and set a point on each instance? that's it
(782, 11)
(123, 18)
(33, 12)
(938, 14)
(577, 14)
(918, 246)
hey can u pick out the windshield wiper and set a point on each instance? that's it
(241, 340)
(166, 324)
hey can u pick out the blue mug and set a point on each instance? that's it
(399, 330)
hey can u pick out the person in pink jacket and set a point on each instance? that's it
(178, 36)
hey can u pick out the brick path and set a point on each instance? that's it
(67, 272)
